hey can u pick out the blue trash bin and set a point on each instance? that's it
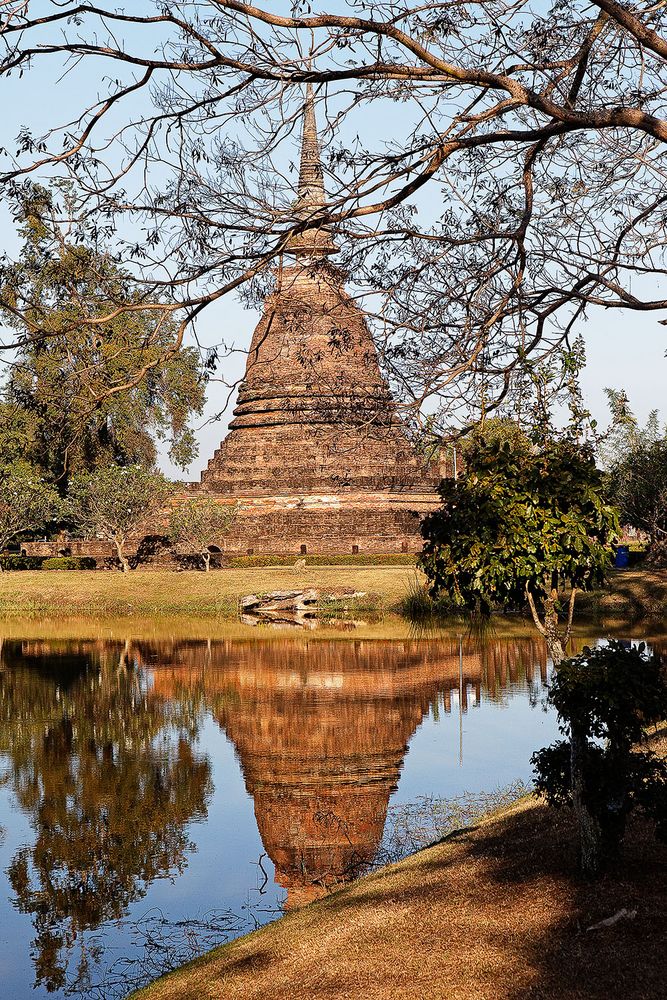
(622, 560)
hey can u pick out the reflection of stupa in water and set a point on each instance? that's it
(321, 731)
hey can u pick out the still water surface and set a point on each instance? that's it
(174, 779)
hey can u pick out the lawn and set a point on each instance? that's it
(194, 594)
(632, 595)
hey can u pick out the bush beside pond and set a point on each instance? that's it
(358, 559)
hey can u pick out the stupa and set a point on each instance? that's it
(316, 453)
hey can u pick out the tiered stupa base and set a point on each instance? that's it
(316, 456)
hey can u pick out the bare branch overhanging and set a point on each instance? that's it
(539, 134)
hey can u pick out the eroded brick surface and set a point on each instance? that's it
(316, 454)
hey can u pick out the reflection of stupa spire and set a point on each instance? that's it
(321, 740)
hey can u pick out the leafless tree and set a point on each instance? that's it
(519, 180)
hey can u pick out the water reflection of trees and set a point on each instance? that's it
(97, 741)
(108, 775)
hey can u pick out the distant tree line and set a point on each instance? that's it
(113, 504)
(636, 461)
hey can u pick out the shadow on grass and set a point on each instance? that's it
(495, 913)
(528, 902)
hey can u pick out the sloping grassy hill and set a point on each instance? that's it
(495, 913)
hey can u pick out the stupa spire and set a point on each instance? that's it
(314, 414)
(314, 241)
(310, 192)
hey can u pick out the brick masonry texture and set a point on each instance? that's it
(316, 454)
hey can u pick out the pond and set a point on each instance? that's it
(160, 796)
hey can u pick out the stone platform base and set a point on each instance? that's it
(321, 524)
(376, 523)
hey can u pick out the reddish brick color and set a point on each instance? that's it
(316, 453)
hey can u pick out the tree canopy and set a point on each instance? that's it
(27, 503)
(636, 460)
(539, 129)
(605, 699)
(84, 396)
(200, 523)
(117, 502)
(520, 525)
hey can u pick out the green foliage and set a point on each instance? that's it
(21, 562)
(495, 431)
(606, 697)
(69, 562)
(419, 605)
(360, 559)
(81, 396)
(200, 523)
(638, 486)
(426, 439)
(27, 503)
(115, 502)
(17, 432)
(519, 522)
(636, 461)
(623, 430)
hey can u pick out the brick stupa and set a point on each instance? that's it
(316, 454)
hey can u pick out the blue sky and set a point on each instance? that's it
(624, 349)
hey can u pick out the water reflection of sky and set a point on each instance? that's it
(236, 747)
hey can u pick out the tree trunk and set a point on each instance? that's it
(552, 633)
(657, 552)
(121, 556)
(590, 834)
(207, 561)
(548, 627)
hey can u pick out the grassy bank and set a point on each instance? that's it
(632, 595)
(493, 913)
(192, 593)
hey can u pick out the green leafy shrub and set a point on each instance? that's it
(605, 698)
(363, 559)
(520, 527)
(69, 562)
(360, 559)
(16, 562)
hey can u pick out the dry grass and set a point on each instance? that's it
(631, 595)
(496, 913)
(165, 592)
(634, 595)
